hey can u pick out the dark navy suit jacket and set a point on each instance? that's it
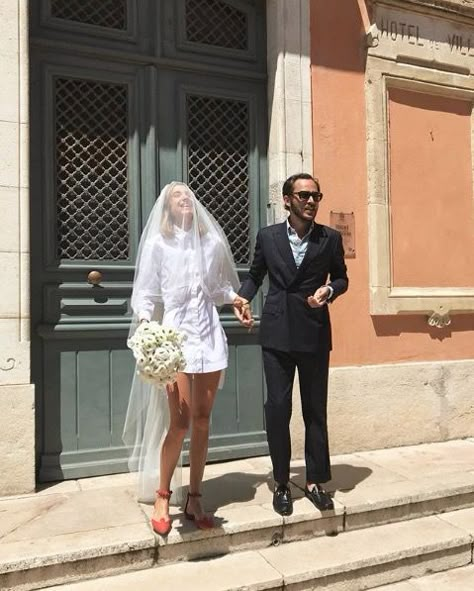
(288, 323)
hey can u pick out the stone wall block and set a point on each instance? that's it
(9, 162)
(10, 220)
(17, 445)
(458, 412)
(10, 281)
(9, 17)
(14, 363)
(382, 406)
(9, 89)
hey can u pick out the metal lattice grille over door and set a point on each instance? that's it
(91, 170)
(111, 14)
(215, 22)
(218, 165)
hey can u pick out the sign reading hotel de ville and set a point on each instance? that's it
(409, 36)
(345, 224)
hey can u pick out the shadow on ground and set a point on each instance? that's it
(344, 477)
(257, 487)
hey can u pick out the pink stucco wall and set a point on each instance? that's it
(432, 214)
(339, 144)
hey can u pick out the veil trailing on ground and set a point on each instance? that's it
(182, 249)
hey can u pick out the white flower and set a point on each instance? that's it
(158, 353)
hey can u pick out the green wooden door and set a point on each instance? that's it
(127, 96)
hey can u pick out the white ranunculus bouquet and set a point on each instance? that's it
(157, 350)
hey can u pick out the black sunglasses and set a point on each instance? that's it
(305, 195)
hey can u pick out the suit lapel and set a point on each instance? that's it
(316, 242)
(280, 235)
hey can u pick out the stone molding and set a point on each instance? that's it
(422, 53)
(17, 416)
(454, 7)
(14, 181)
(289, 97)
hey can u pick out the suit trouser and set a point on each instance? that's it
(313, 368)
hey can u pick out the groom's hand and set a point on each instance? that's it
(242, 311)
(320, 297)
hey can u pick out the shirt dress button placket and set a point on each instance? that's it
(197, 323)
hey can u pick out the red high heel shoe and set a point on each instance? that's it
(162, 526)
(206, 522)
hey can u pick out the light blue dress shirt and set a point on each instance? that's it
(299, 246)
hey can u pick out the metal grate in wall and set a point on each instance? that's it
(218, 165)
(111, 14)
(91, 170)
(214, 22)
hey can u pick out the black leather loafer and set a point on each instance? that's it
(282, 501)
(320, 498)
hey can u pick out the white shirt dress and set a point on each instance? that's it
(187, 308)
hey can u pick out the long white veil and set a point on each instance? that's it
(181, 246)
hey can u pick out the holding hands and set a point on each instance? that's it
(320, 297)
(242, 311)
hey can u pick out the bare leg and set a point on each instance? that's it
(179, 402)
(203, 395)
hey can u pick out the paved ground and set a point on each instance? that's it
(101, 514)
(106, 506)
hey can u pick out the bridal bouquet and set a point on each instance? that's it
(157, 350)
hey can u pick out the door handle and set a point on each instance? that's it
(94, 277)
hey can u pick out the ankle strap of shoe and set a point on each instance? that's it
(194, 495)
(164, 494)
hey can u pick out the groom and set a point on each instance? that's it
(306, 270)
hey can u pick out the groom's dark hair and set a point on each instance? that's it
(290, 181)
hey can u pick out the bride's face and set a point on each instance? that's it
(181, 207)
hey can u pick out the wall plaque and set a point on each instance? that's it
(345, 224)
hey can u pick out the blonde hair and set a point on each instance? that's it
(167, 225)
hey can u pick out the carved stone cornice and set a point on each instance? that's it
(453, 7)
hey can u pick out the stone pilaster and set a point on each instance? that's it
(17, 455)
(289, 96)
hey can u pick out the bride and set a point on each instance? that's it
(184, 271)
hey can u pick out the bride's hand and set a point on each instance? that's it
(242, 311)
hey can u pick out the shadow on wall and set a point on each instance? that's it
(396, 325)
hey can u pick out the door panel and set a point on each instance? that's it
(228, 32)
(147, 92)
(93, 399)
(89, 211)
(215, 129)
(216, 132)
(90, 384)
(238, 407)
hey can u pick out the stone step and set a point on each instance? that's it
(95, 527)
(357, 560)
(458, 579)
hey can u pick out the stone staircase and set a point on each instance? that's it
(400, 515)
